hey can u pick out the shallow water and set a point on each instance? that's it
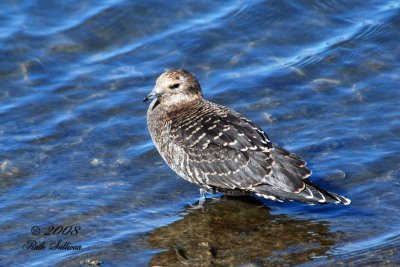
(321, 78)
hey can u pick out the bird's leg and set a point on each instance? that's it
(203, 193)
(201, 202)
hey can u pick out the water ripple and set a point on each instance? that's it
(320, 78)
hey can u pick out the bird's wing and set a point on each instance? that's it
(225, 128)
(223, 149)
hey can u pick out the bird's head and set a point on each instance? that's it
(175, 87)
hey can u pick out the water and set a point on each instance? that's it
(321, 78)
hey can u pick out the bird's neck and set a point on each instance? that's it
(181, 101)
(175, 108)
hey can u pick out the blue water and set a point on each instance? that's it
(321, 78)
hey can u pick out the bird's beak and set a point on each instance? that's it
(151, 96)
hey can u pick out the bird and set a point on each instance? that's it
(220, 150)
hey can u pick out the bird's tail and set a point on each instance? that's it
(319, 195)
(312, 194)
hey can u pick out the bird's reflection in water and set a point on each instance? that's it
(236, 232)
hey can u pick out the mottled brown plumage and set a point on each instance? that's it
(218, 149)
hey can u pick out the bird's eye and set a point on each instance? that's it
(174, 86)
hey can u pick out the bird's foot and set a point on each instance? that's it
(201, 204)
(198, 205)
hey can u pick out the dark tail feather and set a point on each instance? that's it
(312, 194)
(317, 194)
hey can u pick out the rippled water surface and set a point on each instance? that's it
(321, 78)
